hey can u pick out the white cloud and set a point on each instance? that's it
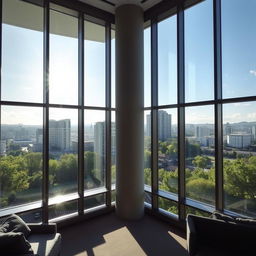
(253, 72)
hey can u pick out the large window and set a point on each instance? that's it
(55, 119)
(203, 149)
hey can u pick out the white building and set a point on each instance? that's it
(239, 140)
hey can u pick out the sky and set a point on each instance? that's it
(22, 65)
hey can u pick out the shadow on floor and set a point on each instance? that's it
(109, 236)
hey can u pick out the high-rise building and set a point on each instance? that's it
(164, 125)
(228, 129)
(99, 144)
(254, 132)
(60, 135)
(202, 131)
(3, 147)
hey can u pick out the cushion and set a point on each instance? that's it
(222, 216)
(14, 223)
(3, 227)
(14, 243)
(238, 220)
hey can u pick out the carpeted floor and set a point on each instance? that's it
(109, 236)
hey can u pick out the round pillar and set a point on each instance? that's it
(129, 112)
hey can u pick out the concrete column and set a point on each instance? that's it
(129, 112)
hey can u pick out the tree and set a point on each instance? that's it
(201, 161)
(240, 177)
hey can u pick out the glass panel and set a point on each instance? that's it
(63, 79)
(94, 91)
(199, 69)
(147, 67)
(148, 198)
(147, 147)
(63, 164)
(239, 131)
(62, 209)
(190, 210)
(34, 216)
(168, 205)
(113, 69)
(113, 147)
(94, 161)
(238, 48)
(94, 201)
(113, 196)
(22, 52)
(167, 61)
(167, 150)
(200, 154)
(21, 155)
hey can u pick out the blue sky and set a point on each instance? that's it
(22, 62)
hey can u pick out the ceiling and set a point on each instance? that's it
(110, 5)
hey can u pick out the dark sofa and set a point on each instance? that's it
(220, 237)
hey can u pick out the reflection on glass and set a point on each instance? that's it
(34, 216)
(63, 79)
(63, 145)
(199, 70)
(200, 154)
(167, 61)
(94, 91)
(238, 48)
(168, 150)
(147, 147)
(20, 155)
(62, 209)
(168, 205)
(113, 147)
(113, 69)
(94, 146)
(94, 201)
(147, 67)
(239, 153)
(22, 52)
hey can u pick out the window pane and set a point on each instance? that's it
(94, 160)
(147, 147)
(167, 61)
(63, 165)
(239, 131)
(238, 48)
(34, 216)
(63, 80)
(168, 205)
(167, 150)
(94, 201)
(191, 210)
(21, 155)
(199, 70)
(113, 147)
(200, 154)
(147, 67)
(94, 91)
(113, 69)
(62, 209)
(22, 52)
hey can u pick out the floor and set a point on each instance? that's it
(109, 236)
